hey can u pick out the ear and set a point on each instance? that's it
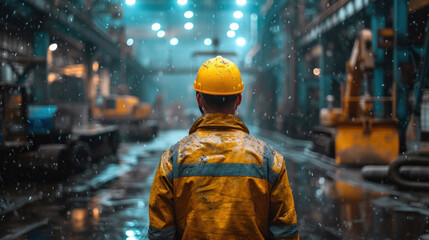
(199, 100)
(238, 101)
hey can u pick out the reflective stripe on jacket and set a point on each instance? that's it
(221, 183)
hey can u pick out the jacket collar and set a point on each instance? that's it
(217, 121)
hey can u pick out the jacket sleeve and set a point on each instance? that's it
(161, 209)
(283, 220)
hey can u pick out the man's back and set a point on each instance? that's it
(221, 183)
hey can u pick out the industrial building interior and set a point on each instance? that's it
(92, 92)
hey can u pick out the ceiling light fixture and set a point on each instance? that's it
(234, 26)
(130, 41)
(316, 71)
(160, 33)
(238, 14)
(189, 14)
(240, 41)
(207, 42)
(156, 26)
(130, 2)
(53, 47)
(189, 26)
(174, 41)
(182, 2)
(241, 2)
(230, 34)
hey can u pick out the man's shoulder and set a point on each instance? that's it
(260, 142)
(249, 140)
(184, 141)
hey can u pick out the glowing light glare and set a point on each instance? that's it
(130, 41)
(174, 41)
(130, 2)
(95, 66)
(240, 41)
(189, 14)
(189, 26)
(230, 34)
(52, 77)
(316, 71)
(238, 14)
(234, 26)
(207, 41)
(130, 233)
(156, 26)
(53, 47)
(241, 2)
(160, 34)
(182, 2)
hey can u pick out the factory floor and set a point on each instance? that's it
(110, 201)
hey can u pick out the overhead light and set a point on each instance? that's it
(316, 71)
(174, 41)
(160, 33)
(130, 41)
(95, 66)
(230, 34)
(156, 26)
(234, 26)
(189, 26)
(240, 41)
(207, 42)
(189, 14)
(52, 77)
(182, 2)
(130, 2)
(53, 47)
(241, 2)
(238, 14)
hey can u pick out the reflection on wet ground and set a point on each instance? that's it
(110, 201)
(336, 203)
(107, 202)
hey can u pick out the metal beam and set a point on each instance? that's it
(329, 18)
(76, 23)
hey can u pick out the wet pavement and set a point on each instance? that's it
(336, 203)
(107, 202)
(110, 201)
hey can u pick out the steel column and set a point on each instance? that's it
(324, 79)
(301, 88)
(41, 44)
(400, 55)
(422, 75)
(377, 22)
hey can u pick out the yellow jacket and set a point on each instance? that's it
(221, 183)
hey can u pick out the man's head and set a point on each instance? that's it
(218, 86)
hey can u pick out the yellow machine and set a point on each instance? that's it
(132, 116)
(122, 107)
(358, 136)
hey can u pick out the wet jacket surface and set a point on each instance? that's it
(221, 183)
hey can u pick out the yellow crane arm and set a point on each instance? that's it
(360, 63)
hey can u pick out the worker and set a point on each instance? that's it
(220, 182)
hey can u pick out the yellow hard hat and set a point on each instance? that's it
(219, 76)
